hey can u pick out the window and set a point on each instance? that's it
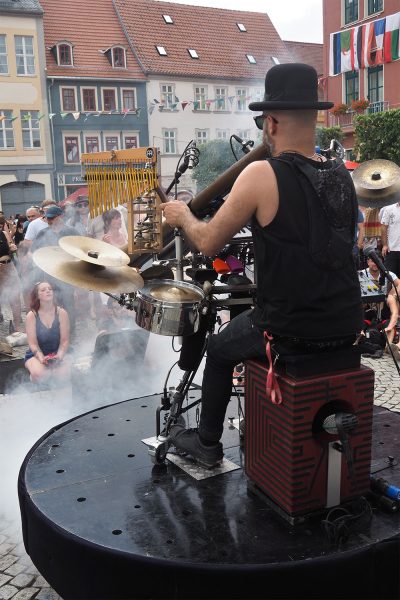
(193, 53)
(128, 100)
(200, 97)
(130, 141)
(375, 84)
(275, 60)
(118, 57)
(161, 50)
(220, 98)
(244, 134)
(92, 144)
(374, 6)
(351, 87)
(241, 27)
(109, 99)
(71, 149)
(350, 11)
(24, 55)
(169, 141)
(202, 136)
(111, 142)
(65, 55)
(222, 134)
(3, 55)
(6, 130)
(30, 129)
(68, 100)
(251, 59)
(241, 99)
(89, 102)
(168, 19)
(168, 96)
(258, 95)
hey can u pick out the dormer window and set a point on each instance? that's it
(118, 57)
(168, 19)
(193, 53)
(251, 59)
(241, 27)
(63, 54)
(161, 50)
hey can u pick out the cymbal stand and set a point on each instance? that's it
(391, 351)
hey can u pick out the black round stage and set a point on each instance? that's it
(100, 521)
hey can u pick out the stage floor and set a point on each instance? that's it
(101, 521)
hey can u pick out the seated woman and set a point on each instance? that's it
(47, 328)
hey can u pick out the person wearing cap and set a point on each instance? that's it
(303, 212)
(37, 224)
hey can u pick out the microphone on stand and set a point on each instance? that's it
(373, 255)
(246, 145)
(192, 155)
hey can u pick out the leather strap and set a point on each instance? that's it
(272, 388)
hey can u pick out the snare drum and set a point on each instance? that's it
(169, 307)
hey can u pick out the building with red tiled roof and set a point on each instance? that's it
(96, 87)
(204, 66)
(309, 53)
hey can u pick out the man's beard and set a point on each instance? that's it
(269, 142)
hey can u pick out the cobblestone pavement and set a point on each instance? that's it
(20, 580)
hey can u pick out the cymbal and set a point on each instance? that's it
(94, 251)
(98, 278)
(377, 183)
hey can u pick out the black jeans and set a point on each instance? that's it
(392, 262)
(236, 342)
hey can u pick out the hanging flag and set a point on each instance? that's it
(375, 39)
(184, 104)
(13, 118)
(151, 109)
(76, 115)
(177, 99)
(196, 104)
(138, 111)
(2, 118)
(231, 99)
(63, 115)
(40, 117)
(391, 40)
(51, 115)
(26, 117)
(156, 101)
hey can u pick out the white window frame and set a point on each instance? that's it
(68, 87)
(60, 64)
(129, 89)
(30, 128)
(111, 134)
(221, 92)
(168, 19)
(89, 87)
(251, 58)
(103, 89)
(169, 136)
(25, 56)
(200, 96)
(241, 102)
(6, 72)
(367, 15)
(244, 134)
(72, 134)
(4, 129)
(241, 27)
(344, 24)
(161, 51)
(167, 95)
(258, 94)
(131, 134)
(202, 135)
(91, 134)
(193, 53)
(112, 57)
(222, 134)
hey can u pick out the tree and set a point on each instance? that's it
(377, 136)
(326, 134)
(215, 158)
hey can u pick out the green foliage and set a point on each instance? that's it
(215, 158)
(377, 136)
(326, 134)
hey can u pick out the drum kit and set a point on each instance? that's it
(377, 183)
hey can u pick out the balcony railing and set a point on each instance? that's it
(347, 119)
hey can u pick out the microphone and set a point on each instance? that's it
(192, 157)
(373, 255)
(245, 145)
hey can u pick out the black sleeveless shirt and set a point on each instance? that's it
(307, 283)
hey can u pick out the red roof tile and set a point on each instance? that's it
(212, 32)
(308, 53)
(90, 27)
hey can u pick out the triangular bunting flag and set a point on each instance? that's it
(26, 117)
(51, 115)
(13, 118)
(156, 101)
(63, 115)
(138, 111)
(40, 117)
(2, 118)
(184, 105)
(151, 109)
(76, 115)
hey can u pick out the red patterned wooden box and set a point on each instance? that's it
(286, 449)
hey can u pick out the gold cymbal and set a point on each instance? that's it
(377, 183)
(98, 278)
(94, 251)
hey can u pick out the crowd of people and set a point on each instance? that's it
(50, 305)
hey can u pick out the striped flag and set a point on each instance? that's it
(391, 40)
(344, 51)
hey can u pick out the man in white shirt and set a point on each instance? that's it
(390, 219)
(37, 225)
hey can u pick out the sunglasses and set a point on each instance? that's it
(81, 204)
(259, 120)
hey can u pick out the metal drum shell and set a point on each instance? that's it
(165, 317)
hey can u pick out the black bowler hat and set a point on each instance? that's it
(291, 86)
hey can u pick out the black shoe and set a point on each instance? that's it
(188, 440)
(376, 354)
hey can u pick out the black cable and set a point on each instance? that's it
(342, 522)
(233, 152)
